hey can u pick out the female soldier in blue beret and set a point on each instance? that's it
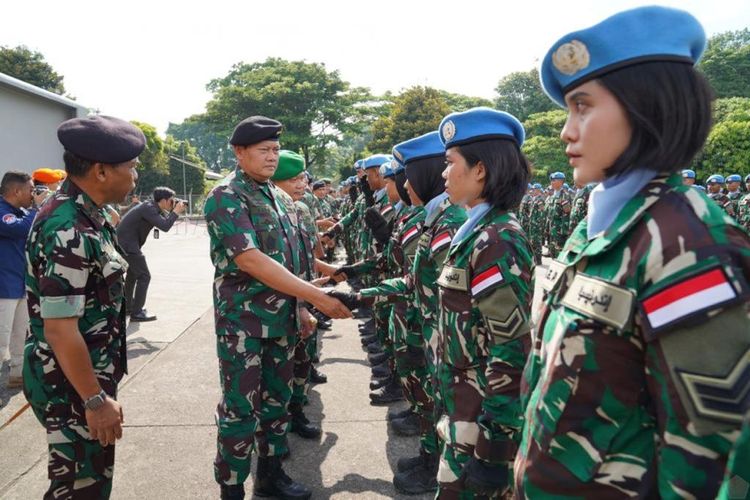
(485, 294)
(623, 398)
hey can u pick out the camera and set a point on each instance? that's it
(175, 201)
(40, 189)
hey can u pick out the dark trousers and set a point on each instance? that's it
(136, 282)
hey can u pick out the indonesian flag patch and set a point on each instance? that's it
(386, 209)
(440, 241)
(687, 298)
(486, 280)
(407, 237)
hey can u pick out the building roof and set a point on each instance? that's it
(28, 88)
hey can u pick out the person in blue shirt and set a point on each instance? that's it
(16, 215)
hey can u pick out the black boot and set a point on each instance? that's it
(232, 492)
(407, 426)
(381, 370)
(409, 463)
(375, 358)
(377, 383)
(369, 339)
(316, 377)
(394, 414)
(375, 348)
(420, 479)
(272, 481)
(300, 425)
(389, 393)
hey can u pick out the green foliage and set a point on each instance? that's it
(415, 111)
(731, 108)
(315, 105)
(546, 155)
(212, 147)
(726, 63)
(548, 123)
(727, 150)
(29, 66)
(460, 102)
(194, 167)
(521, 95)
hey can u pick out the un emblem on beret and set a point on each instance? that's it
(398, 155)
(449, 130)
(571, 57)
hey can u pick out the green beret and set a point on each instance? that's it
(291, 165)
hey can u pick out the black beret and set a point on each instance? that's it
(255, 129)
(102, 139)
(318, 185)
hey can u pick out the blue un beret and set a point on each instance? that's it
(428, 145)
(479, 124)
(359, 164)
(747, 178)
(376, 160)
(631, 37)
(102, 139)
(255, 129)
(556, 176)
(688, 174)
(716, 178)
(537, 186)
(318, 185)
(386, 169)
(734, 178)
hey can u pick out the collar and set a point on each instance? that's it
(379, 194)
(83, 202)
(434, 203)
(608, 198)
(475, 215)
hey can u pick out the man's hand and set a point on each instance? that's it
(309, 323)
(350, 300)
(326, 223)
(321, 281)
(331, 306)
(180, 207)
(105, 423)
(40, 197)
(345, 272)
(484, 478)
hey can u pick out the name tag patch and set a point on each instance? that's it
(552, 276)
(600, 300)
(453, 278)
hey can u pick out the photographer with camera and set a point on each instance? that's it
(160, 213)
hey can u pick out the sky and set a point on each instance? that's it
(151, 60)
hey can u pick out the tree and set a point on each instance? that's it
(731, 108)
(315, 105)
(726, 63)
(548, 123)
(415, 111)
(546, 155)
(29, 66)
(460, 102)
(181, 153)
(521, 95)
(154, 163)
(727, 150)
(211, 146)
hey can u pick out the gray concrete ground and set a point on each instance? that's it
(172, 389)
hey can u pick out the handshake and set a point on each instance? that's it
(351, 300)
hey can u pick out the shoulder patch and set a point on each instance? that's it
(409, 235)
(598, 299)
(386, 209)
(687, 298)
(440, 241)
(453, 278)
(552, 276)
(487, 279)
(10, 219)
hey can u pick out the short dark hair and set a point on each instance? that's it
(507, 171)
(668, 105)
(163, 193)
(12, 179)
(76, 166)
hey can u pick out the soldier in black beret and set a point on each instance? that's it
(75, 354)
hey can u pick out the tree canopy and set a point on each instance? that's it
(726, 63)
(30, 66)
(521, 95)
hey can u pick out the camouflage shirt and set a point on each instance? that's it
(243, 215)
(743, 212)
(580, 206)
(74, 269)
(624, 399)
(556, 212)
(724, 202)
(486, 287)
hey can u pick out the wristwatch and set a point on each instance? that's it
(95, 402)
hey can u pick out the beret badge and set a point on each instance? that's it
(571, 57)
(449, 130)
(398, 155)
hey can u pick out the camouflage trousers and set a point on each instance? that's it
(78, 467)
(256, 382)
(304, 351)
(457, 427)
(413, 372)
(381, 314)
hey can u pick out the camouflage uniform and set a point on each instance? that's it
(743, 212)
(579, 206)
(523, 212)
(537, 222)
(724, 202)
(734, 199)
(737, 480)
(556, 213)
(622, 398)
(75, 269)
(255, 325)
(353, 224)
(486, 288)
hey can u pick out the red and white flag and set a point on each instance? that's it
(486, 279)
(386, 209)
(409, 235)
(687, 297)
(440, 241)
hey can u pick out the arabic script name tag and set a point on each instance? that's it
(454, 278)
(551, 277)
(600, 300)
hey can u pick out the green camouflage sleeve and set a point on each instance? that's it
(62, 288)
(505, 261)
(229, 222)
(736, 483)
(388, 288)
